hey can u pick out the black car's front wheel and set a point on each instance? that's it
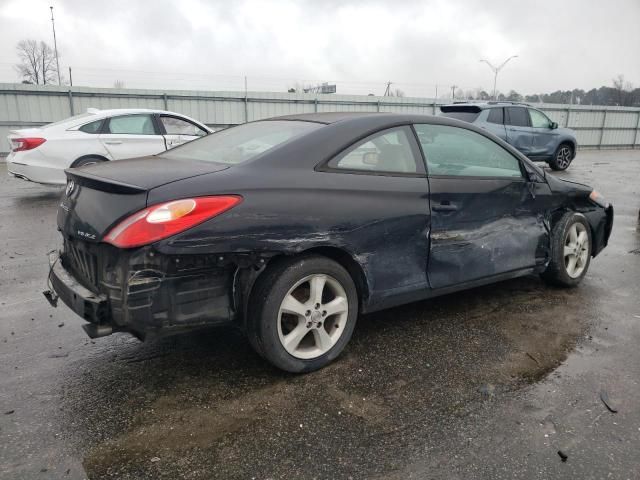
(302, 314)
(570, 251)
(562, 157)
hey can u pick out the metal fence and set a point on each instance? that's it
(23, 106)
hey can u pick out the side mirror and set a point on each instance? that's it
(533, 176)
(553, 125)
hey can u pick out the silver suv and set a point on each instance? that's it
(526, 128)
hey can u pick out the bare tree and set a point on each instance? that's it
(37, 62)
(118, 84)
(622, 89)
(396, 93)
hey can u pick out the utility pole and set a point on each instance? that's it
(387, 92)
(496, 70)
(55, 46)
(453, 92)
(70, 78)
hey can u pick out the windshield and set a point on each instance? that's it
(242, 143)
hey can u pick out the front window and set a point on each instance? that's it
(453, 151)
(539, 119)
(242, 143)
(180, 126)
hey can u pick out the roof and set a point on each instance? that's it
(482, 105)
(113, 111)
(333, 117)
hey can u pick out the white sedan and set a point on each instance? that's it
(41, 154)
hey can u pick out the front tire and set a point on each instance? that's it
(570, 251)
(302, 313)
(562, 157)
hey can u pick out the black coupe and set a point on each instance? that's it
(290, 227)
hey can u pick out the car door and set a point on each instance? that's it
(519, 131)
(380, 184)
(130, 136)
(544, 136)
(177, 130)
(484, 219)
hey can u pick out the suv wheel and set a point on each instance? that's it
(563, 157)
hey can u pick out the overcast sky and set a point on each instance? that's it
(358, 44)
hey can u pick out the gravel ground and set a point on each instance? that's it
(488, 383)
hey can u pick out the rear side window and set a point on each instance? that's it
(496, 115)
(93, 127)
(388, 151)
(180, 126)
(453, 151)
(517, 116)
(131, 125)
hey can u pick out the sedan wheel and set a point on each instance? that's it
(302, 312)
(576, 250)
(570, 251)
(312, 316)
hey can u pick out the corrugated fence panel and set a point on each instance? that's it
(581, 119)
(618, 137)
(22, 106)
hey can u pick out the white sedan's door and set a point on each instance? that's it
(178, 130)
(130, 136)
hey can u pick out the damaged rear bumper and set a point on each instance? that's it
(141, 292)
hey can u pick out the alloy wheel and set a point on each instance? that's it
(576, 250)
(563, 158)
(312, 316)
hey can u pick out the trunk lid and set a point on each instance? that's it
(99, 196)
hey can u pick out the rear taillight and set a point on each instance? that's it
(29, 143)
(166, 219)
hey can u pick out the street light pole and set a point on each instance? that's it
(55, 45)
(496, 70)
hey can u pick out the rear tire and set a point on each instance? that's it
(562, 157)
(570, 251)
(302, 313)
(84, 161)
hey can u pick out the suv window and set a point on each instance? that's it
(539, 119)
(180, 126)
(132, 125)
(517, 116)
(496, 115)
(388, 151)
(93, 127)
(453, 151)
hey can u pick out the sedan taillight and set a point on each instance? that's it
(28, 143)
(166, 219)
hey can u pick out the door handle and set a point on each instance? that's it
(113, 142)
(444, 207)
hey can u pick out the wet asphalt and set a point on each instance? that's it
(488, 383)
